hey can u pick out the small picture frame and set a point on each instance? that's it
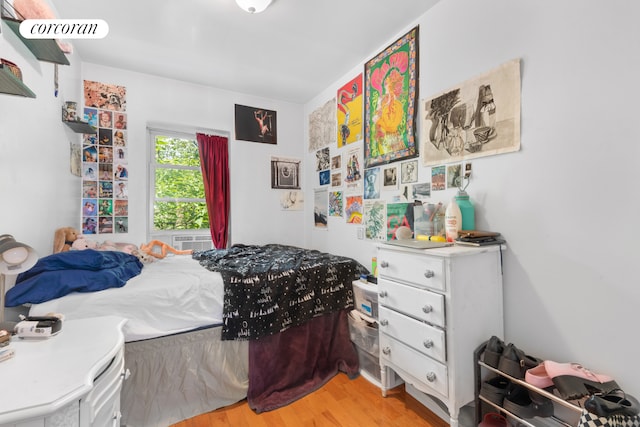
(285, 173)
(69, 111)
(256, 124)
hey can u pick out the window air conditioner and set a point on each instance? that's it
(193, 242)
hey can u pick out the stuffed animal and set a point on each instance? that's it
(142, 256)
(81, 244)
(108, 245)
(64, 238)
(164, 248)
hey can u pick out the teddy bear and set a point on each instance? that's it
(64, 238)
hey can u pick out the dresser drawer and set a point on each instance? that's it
(105, 395)
(419, 303)
(429, 372)
(425, 338)
(417, 269)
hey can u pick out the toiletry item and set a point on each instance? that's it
(452, 220)
(467, 210)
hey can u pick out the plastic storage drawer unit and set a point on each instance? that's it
(363, 333)
(366, 298)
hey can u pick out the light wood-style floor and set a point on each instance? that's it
(341, 402)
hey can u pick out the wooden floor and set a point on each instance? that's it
(341, 402)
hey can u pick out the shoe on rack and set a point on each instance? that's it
(494, 389)
(538, 377)
(615, 402)
(493, 351)
(573, 381)
(515, 362)
(518, 401)
(493, 419)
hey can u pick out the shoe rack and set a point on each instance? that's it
(566, 413)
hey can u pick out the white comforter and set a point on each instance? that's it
(171, 295)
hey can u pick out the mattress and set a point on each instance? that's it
(171, 295)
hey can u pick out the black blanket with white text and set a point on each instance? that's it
(271, 288)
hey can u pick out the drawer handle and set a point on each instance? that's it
(384, 264)
(429, 274)
(383, 294)
(431, 377)
(386, 351)
(428, 343)
(427, 309)
(384, 322)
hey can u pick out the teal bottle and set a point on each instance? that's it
(467, 210)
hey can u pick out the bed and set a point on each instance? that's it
(196, 340)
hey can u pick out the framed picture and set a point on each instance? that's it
(256, 124)
(285, 173)
(409, 171)
(390, 178)
(391, 94)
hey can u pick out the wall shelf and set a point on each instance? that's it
(44, 49)
(80, 127)
(12, 85)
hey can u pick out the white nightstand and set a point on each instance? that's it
(71, 379)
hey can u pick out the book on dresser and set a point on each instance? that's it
(480, 241)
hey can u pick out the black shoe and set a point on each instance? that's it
(514, 362)
(518, 401)
(615, 402)
(494, 389)
(493, 351)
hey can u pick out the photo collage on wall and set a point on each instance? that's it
(105, 169)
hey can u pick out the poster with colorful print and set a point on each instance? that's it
(105, 96)
(335, 203)
(398, 215)
(349, 112)
(375, 220)
(353, 170)
(353, 209)
(391, 94)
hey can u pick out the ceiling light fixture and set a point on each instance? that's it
(253, 6)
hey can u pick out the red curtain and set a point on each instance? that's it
(214, 160)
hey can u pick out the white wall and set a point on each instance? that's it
(39, 194)
(566, 201)
(256, 216)
(37, 191)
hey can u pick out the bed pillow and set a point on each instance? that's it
(59, 274)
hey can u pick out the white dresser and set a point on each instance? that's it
(436, 306)
(71, 379)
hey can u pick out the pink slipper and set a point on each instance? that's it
(573, 381)
(538, 377)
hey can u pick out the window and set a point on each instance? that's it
(177, 196)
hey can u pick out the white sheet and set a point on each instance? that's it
(170, 295)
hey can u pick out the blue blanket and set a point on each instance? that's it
(59, 274)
